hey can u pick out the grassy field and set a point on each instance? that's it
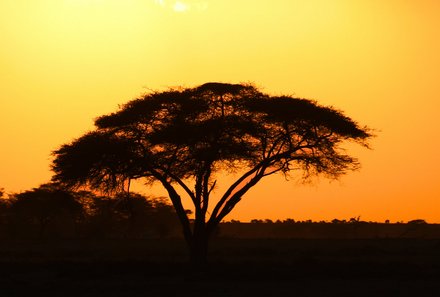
(238, 267)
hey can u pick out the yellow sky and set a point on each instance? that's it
(65, 62)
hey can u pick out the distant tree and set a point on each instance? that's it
(164, 218)
(336, 221)
(128, 215)
(133, 213)
(414, 228)
(289, 221)
(417, 222)
(355, 220)
(5, 215)
(185, 138)
(103, 220)
(46, 206)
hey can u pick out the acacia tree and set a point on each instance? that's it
(185, 138)
(47, 207)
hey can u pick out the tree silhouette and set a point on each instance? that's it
(49, 205)
(5, 205)
(130, 216)
(185, 138)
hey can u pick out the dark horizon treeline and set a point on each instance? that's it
(51, 212)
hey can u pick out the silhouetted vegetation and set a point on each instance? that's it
(183, 138)
(51, 211)
(336, 229)
(44, 211)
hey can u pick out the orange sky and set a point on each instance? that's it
(65, 62)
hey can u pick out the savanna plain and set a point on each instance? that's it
(245, 259)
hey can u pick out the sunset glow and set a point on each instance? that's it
(64, 63)
(180, 6)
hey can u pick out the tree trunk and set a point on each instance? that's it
(198, 248)
(199, 243)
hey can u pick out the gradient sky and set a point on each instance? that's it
(65, 62)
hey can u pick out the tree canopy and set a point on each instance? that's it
(184, 137)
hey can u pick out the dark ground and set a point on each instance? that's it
(239, 267)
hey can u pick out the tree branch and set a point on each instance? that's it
(231, 189)
(206, 190)
(235, 198)
(177, 203)
(181, 183)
